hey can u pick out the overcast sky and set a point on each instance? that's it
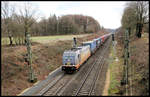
(107, 13)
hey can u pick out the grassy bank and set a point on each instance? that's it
(46, 39)
(115, 67)
(138, 68)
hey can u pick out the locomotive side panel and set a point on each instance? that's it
(85, 54)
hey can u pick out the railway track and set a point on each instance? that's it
(79, 82)
(88, 83)
(73, 87)
(62, 83)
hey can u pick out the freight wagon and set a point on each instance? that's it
(97, 42)
(92, 45)
(103, 38)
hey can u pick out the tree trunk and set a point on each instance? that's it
(16, 41)
(139, 30)
(85, 26)
(25, 36)
(10, 39)
(19, 40)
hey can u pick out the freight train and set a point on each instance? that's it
(76, 56)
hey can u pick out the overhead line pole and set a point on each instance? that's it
(32, 77)
(126, 56)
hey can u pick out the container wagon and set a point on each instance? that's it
(92, 45)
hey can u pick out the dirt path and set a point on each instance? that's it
(107, 83)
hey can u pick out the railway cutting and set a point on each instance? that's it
(86, 81)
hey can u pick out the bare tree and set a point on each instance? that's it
(136, 14)
(142, 15)
(6, 14)
(28, 14)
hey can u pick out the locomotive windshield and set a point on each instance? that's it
(69, 60)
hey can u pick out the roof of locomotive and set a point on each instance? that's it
(70, 52)
(75, 50)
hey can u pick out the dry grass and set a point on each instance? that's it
(140, 66)
(46, 58)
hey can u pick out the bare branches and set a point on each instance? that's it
(135, 15)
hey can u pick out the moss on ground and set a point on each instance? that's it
(115, 72)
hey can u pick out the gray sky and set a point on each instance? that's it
(107, 13)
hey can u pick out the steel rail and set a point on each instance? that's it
(97, 75)
(100, 57)
(83, 81)
(44, 90)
